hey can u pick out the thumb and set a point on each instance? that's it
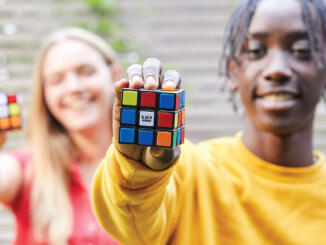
(3, 137)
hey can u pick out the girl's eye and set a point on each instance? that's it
(86, 70)
(55, 80)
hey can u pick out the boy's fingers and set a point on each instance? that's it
(135, 75)
(171, 80)
(123, 83)
(152, 72)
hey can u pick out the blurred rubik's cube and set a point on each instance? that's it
(10, 112)
(152, 117)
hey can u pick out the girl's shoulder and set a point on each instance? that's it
(22, 156)
(17, 162)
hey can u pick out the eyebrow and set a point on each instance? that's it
(292, 34)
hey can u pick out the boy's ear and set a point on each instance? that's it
(233, 72)
(117, 72)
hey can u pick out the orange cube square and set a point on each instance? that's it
(4, 123)
(164, 139)
(183, 117)
(15, 122)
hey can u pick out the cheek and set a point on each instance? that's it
(102, 86)
(314, 82)
(248, 75)
(52, 99)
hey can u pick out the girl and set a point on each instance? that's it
(265, 185)
(47, 186)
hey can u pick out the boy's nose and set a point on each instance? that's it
(278, 68)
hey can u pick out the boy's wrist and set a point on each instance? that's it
(160, 158)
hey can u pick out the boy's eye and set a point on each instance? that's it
(302, 50)
(302, 53)
(256, 50)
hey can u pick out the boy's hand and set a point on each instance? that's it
(3, 138)
(148, 77)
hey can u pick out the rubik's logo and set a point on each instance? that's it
(10, 112)
(146, 118)
(152, 117)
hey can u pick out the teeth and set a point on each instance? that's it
(77, 104)
(279, 97)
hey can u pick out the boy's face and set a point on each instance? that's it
(279, 80)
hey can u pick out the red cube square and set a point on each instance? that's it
(179, 119)
(148, 99)
(165, 120)
(12, 98)
(182, 135)
(177, 101)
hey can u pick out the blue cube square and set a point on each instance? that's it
(179, 137)
(145, 137)
(167, 101)
(128, 116)
(182, 99)
(127, 135)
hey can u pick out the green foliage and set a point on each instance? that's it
(105, 11)
(107, 27)
(102, 7)
(119, 45)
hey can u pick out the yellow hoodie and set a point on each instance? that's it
(218, 192)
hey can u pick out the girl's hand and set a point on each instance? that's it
(149, 77)
(3, 138)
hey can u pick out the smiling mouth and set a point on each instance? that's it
(79, 104)
(279, 97)
(277, 101)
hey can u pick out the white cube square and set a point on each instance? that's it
(146, 118)
(3, 99)
(4, 111)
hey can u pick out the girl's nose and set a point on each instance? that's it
(72, 82)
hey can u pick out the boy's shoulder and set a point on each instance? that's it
(209, 151)
(206, 158)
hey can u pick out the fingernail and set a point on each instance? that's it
(168, 86)
(150, 80)
(136, 78)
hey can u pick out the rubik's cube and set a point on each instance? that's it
(10, 112)
(152, 117)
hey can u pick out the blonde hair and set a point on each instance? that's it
(51, 210)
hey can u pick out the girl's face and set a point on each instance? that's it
(78, 85)
(280, 83)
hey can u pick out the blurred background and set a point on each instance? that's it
(185, 34)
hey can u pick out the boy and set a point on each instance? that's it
(263, 186)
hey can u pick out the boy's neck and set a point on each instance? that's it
(292, 150)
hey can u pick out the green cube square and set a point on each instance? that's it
(130, 98)
(14, 109)
(175, 136)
